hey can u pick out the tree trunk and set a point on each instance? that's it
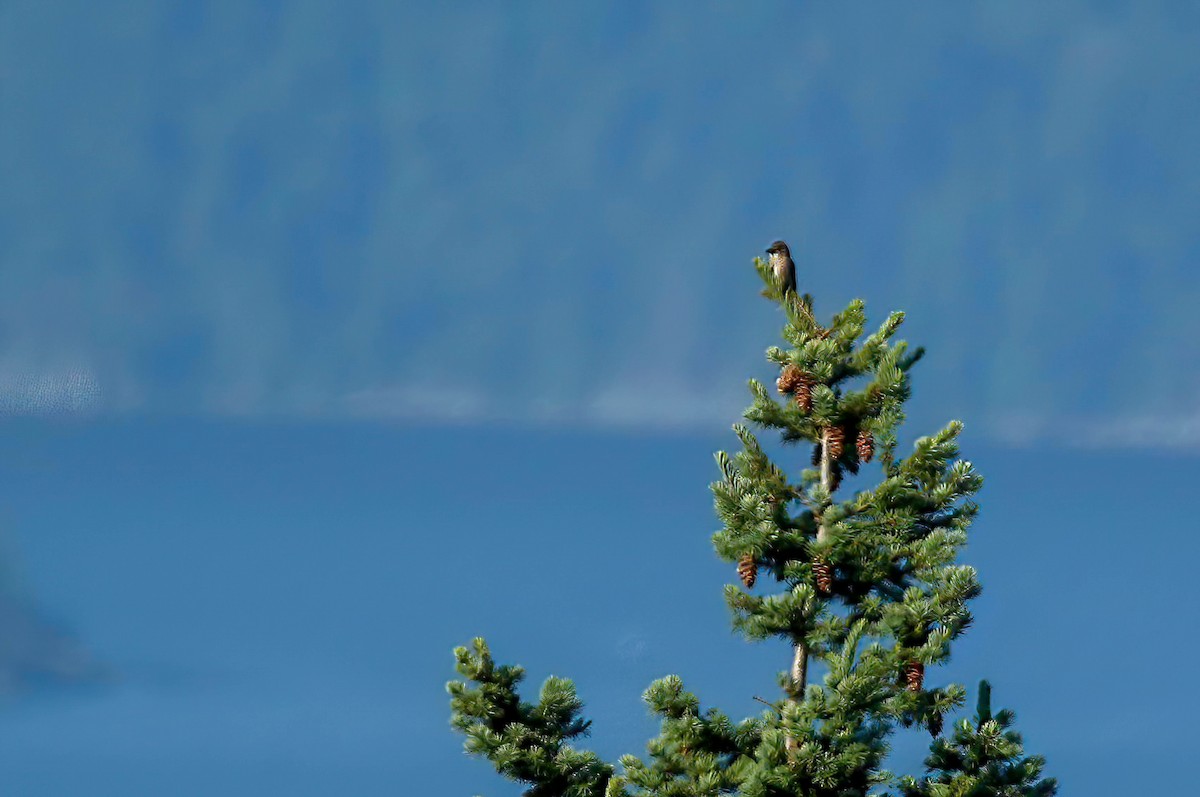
(800, 655)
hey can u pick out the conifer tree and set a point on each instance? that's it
(863, 587)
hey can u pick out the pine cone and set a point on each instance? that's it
(865, 445)
(789, 379)
(835, 477)
(914, 676)
(835, 438)
(804, 388)
(935, 725)
(823, 576)
(747, 570)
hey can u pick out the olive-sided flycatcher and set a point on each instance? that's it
(785, 269)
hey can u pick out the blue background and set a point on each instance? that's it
(335, 334)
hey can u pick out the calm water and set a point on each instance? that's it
(280, 602)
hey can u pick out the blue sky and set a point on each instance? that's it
(313, 227)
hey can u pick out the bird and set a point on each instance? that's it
(785, 269)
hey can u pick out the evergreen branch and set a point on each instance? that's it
(525, 742)
(985, 758)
